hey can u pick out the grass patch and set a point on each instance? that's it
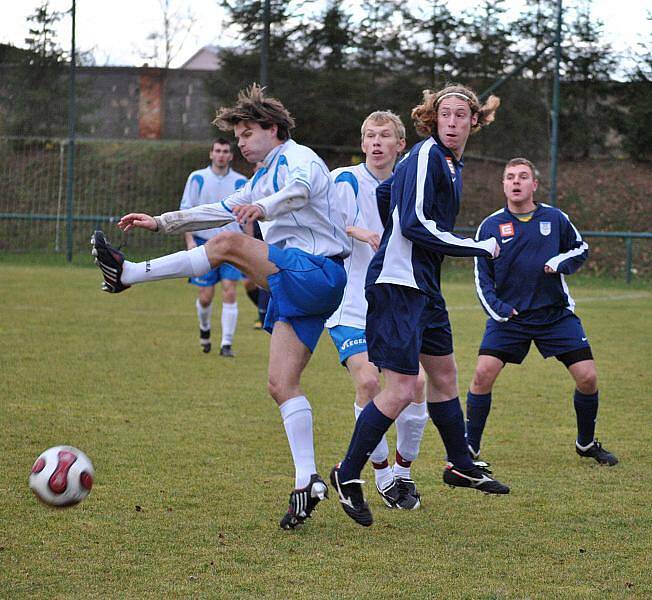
(193, 469)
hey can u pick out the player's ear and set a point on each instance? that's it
(535, 185)
(401, 145)
(474, 119)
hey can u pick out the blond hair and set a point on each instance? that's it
(382, 117)
(425, 114)
(253, 105)
(522, 161)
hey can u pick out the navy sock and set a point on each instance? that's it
(449, 420)
(586, 410)
(369, 430)
(477, 411)
(253, 295)
(263, 300)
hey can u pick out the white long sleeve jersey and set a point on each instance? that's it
(356, 187)
(205, 187)
(296, 194)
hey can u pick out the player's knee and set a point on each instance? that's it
(404, 392)
(223, 245)
(483, 377)
(587, 381)
(445, 381)
(368, 387)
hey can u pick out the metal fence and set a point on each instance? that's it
(115, 177)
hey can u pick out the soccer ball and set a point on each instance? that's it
(62, 476)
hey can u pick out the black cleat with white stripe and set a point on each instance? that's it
(477, 478)
(303, 502)
(350, 495)
(598, 453)
(110, 261)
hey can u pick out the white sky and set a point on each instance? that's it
(116, 31)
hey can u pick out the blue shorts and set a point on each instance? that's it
(306, 291)
(403, 322)
(348, 341)
(214, 276)
(510, 341)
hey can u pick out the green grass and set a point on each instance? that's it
(196, 444)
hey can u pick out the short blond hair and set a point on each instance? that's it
(382, 117)
(522, 161)
(424, 115)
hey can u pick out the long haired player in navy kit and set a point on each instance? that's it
(407, 322)
(527, 300)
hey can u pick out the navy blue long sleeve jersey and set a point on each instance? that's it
(425, 193)
(517, 279)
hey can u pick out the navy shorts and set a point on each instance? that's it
(510, 340)
(306, 291)
(214, 276)
(403, 322)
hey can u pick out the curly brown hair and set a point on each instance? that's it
(425, 114)
(253, 105)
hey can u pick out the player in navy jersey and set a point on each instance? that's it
(407, 322)
(212, 184)
(382, 141)
(527, 300)
(300, 262)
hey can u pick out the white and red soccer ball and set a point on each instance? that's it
(62, 476)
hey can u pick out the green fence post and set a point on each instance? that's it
(628, 265)
(71, 140)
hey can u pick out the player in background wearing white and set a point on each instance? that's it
(300, 262)
(382, 142)
(205, 186)
(527, 300)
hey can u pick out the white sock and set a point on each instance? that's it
(381, 451)
(384, 477)
(187, 263)
(409, 430)
(402, 472)
(229, 322)
(204, 315)
(297, 420)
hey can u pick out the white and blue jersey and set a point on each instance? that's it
(205, 187)
(356, 187)
(306, 235)
(516, 280)
(311, 221)
(425, 199)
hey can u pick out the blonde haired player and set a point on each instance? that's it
(382, 142)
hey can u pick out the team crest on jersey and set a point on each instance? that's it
(506, 230)
(545, 228)
(451, 166)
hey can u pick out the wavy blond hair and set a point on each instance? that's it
(424, 115)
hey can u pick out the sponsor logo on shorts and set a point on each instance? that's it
(356, 342)
(148, 267)
(506, 230)
(545, 227)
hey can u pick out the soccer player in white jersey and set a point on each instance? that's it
(407, 322)
(217, 181)
(383, 140)
(300, 262)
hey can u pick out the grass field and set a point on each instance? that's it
(193, 469)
